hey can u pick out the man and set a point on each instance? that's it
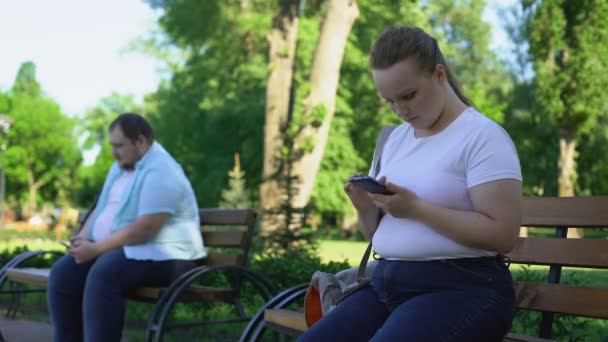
(144, 231)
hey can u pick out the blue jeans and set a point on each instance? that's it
(86, 301)
(442, 300)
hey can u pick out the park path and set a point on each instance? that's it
(20, 330)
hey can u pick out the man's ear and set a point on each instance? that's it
(141, 141)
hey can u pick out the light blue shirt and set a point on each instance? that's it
(158, 185)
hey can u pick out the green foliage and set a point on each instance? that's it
(567, 42)
(538, 147)
(13, 243)
(566, 97)
(219, 89)
(465, 41)
(236, 196)
(42, 154)
(5, 103)
(593, 171)
(338, 163)
(293, 267)
(25, 82)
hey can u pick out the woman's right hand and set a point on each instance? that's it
(359, 197)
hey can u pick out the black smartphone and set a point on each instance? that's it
(369, 184)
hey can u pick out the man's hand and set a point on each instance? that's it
(402, 204)
(83, 250)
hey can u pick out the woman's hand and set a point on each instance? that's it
(403, 203)
(367, 212)
(358, 196)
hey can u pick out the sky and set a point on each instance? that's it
(78, 47)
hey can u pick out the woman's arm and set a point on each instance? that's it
(493, 224)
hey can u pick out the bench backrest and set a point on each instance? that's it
(227, 235)
(561, 213)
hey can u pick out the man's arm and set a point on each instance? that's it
(83, 232)
(139, 231)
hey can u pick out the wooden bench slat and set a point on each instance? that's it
(225, 239)
(286, 318)
(40, 276)
(511, 337)
(218, 217)
(222, 259)
(579, 212)
(563, 299)
(198, 293)
(295, 320)
(27, 275)
(591, 253)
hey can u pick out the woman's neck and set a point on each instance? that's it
(454, 106)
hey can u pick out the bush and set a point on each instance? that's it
(289, 268)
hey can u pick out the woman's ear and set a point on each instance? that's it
(441, 73)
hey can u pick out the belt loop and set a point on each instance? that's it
(504, 260)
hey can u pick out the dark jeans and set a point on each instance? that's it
(86, 301)
(443, 300)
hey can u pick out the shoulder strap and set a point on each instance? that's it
(380, 141)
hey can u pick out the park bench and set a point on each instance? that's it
(281, 314)
(227, 235)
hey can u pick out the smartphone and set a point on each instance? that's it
(369, 184)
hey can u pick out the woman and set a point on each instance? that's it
(456, 207)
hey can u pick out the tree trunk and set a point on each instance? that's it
(283, 39)
(33, 187)
(325, 75)
(567, 167)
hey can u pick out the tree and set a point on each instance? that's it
(308, 133)
(320, 104)
(279, 91)
(42, 154)
(236, 195)
(567, 45)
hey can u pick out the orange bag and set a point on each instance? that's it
(334, 289)
(312, 306)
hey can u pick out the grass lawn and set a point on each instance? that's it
(335, 250)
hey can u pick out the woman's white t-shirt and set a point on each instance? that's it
(440, 169)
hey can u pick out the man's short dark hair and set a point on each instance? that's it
(133, 125)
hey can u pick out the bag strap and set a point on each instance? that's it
(381, 140)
